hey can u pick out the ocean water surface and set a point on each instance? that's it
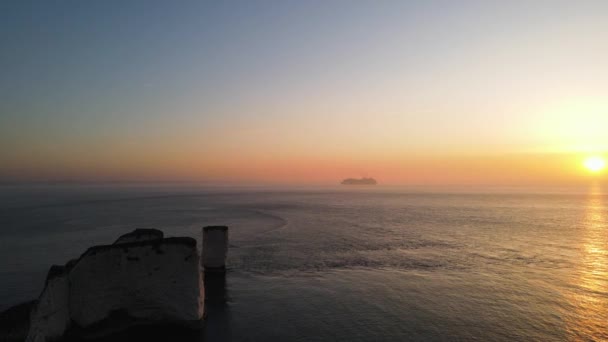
(344, 264)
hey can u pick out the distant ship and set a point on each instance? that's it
(359, 181)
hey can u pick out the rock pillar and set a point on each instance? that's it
(215, 248)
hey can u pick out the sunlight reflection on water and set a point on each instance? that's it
(590, 299)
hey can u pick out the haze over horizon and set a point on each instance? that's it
(420, 92)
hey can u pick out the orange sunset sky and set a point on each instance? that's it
(410, 93)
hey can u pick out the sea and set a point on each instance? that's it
(347, 263)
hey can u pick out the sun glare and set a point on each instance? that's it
(595, 164)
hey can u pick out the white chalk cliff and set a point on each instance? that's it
(50, 317)
(142, 275)
(140, 234)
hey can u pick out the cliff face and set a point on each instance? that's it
(15, 322)
(140, 234)
(142, 276)
(50, 317)
(157, 280)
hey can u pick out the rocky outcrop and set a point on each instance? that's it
(215, 248)
(50, 317)
(155, 280)
(140, 234)
(142, 278)
(15, 322)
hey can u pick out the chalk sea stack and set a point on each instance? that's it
(359, 181)
(142, 279)
(215, 248)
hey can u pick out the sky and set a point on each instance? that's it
(303, 92)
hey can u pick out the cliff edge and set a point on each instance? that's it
(143, 278)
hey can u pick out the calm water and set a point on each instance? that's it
(349, 265)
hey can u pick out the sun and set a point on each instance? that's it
(595, 164)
